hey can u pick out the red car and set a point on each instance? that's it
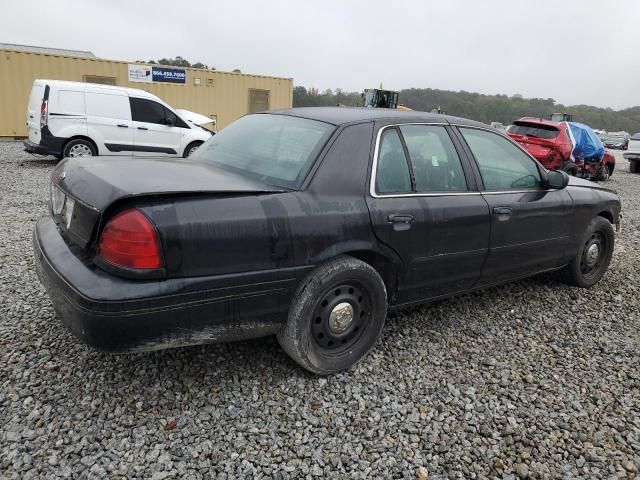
(549, 142)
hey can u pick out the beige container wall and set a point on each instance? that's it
(227, 99)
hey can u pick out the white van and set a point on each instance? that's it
(72, 119)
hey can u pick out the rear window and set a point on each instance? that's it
(37, 92)
(276, 149)
(534, 130)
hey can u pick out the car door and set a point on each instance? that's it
(109, 122)
(424, 205)
(153, 131)
(530, 224)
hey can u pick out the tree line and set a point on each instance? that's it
(483, 108)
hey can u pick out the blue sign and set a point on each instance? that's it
(167, 74)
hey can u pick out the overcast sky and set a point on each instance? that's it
(575, 51)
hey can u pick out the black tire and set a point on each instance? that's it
(634, 166)
(308, 336)
(604, 174)
(570, 168)
(192, 147)
(585, 270)
(79, 147)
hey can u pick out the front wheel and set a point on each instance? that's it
(336, 316)
(593, 258)
(191, 149)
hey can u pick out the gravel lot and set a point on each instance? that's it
(530, 380)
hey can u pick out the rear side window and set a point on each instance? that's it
(534, 130)
(392, 175)
(503, 166)
(635, 136)
(70, 101)
(108, 106)
(149, 111)
(435, 162)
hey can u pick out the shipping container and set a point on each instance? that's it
(222, 96)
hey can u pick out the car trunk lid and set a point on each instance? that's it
(94, 185)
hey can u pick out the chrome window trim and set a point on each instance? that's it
(374, 168)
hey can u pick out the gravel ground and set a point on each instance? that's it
(530, 380)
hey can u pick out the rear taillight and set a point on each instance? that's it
(44, 113)
(130, 240)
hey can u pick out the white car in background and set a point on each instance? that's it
(74, 119)
(633, 153)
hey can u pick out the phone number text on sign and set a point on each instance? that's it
(173, 75)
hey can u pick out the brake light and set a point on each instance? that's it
(130, 240)
(44, 113)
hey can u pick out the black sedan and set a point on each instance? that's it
(309, 224)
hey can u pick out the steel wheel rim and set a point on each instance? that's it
(593, 254)
(80, 150)
(333, 310)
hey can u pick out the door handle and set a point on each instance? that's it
(122, 125)
(400, 218)
(400, 222)
(503, 213)
(143, 128)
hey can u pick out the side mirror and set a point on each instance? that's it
(170, 121)
(557, 179)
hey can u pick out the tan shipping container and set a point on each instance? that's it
(223, 96)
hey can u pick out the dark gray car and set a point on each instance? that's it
(309, 224)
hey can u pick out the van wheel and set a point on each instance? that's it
(79, 148)
(593, 257)
(191, 148)
(336, 316)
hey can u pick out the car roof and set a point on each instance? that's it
(343, 115)
(538, 120)
(134, 92)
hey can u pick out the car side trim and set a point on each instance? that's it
(119, 147)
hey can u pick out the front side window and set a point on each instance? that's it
(148, 111)
(503, 166)
(435, 162)
(276, 149)
(392, 174)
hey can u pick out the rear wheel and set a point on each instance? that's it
(593, 258)
(79, 148)
(634, 166)
(336, 316)
(570, 168)
(605, 173)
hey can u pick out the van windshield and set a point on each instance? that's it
(275, 149)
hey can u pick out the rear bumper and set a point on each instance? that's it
(120, 315)
(631, 156)
(31, 147)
